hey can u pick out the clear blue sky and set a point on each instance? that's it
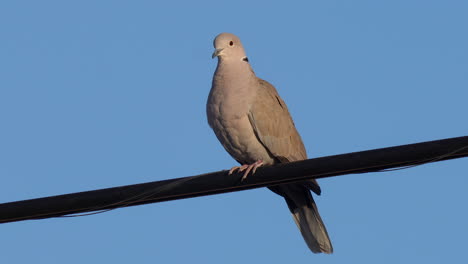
(97, 94)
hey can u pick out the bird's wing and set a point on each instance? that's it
(273, 125)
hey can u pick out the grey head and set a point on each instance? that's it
(228, 47)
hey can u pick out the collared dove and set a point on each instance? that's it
(253, 124)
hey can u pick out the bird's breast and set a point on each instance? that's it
(228, 116)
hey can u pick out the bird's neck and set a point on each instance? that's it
(232, 90)
(233, 75)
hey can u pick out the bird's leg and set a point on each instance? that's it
(247, 167)
(240, 168)
(252, 167)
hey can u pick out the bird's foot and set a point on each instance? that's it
(247, 168)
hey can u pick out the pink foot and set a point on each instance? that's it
(247, 167)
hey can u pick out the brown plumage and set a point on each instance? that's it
(253, 124)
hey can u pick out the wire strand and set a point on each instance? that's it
(143, 196)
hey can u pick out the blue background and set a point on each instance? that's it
(97, 94)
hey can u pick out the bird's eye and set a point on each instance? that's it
(231, 43)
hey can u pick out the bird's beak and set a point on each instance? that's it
(216, 53)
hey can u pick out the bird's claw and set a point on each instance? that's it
(247, 168)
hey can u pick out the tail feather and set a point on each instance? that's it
(307, 218)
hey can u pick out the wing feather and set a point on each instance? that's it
(273, 125)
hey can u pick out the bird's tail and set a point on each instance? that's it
(306, 215)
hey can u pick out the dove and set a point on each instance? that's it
(254, 126)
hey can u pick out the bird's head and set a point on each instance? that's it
(229, 47)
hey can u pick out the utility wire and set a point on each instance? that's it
(378, 160)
